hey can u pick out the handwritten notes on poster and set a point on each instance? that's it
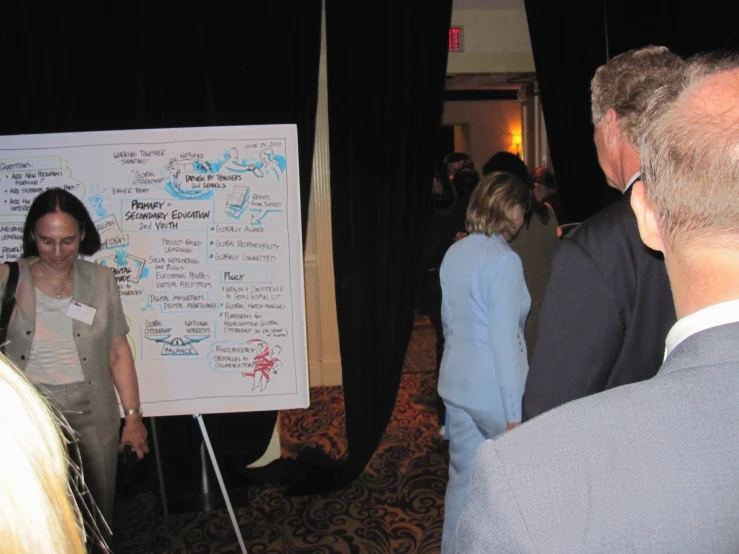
(202, 230)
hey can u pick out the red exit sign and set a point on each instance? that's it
(456, 39)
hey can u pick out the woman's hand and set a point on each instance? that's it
(512, 425)
(134, 435)
(127, 384)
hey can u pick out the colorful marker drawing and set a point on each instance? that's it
(183, 183)
(232, 164)
(178, 346)
(271, 164)
(266, 364)
(237, 202)
(96, 201)
(125, 266)
(259, 214)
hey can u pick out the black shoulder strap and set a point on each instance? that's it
(8, 302)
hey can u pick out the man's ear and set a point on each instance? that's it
(646, 218)
(612, 130)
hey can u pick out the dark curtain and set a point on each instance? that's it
(685, 27)
(386, 72)
(571, 39)
(564, 68)
(140, 65)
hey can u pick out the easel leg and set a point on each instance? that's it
(231, 513)
(160, 473)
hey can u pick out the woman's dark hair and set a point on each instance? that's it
(466, 179)
(510, 163)
(59, 200)
(456, 157)
(449, 195)
(545, 177)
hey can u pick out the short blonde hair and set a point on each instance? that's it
(37, 508)
(493, 202)
(689, 150)
(626, 82)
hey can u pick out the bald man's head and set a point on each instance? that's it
(689, 149)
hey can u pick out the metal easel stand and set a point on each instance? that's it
(226, 498)
(206, 441)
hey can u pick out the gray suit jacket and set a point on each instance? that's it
(650, 467)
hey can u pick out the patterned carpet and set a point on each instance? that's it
(395, 506)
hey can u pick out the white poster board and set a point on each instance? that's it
(202, 229)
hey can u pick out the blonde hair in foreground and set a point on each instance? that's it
(38, 513)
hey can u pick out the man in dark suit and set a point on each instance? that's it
(652, 466)
(607, 309)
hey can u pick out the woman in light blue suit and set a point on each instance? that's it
(484, 308)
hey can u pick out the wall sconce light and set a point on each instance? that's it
(516, 143)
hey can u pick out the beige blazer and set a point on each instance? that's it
(95, 286)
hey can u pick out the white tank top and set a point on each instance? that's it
(54, 359)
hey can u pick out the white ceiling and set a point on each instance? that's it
(487, 4)
(488, 81)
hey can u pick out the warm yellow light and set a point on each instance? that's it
(516, 143)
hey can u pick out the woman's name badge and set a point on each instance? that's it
(81, 312)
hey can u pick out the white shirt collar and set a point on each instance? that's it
(712, 316)
(633, 180)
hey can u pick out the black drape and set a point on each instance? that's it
(564, 68)
(571, 39)
(141, 65)
(386, 72)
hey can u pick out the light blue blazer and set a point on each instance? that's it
(484, 307)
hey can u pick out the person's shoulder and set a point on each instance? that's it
(93, 270)
(611, 229)
(603, 222)
(568, 438)
(5, 269)
(585, 421)
(457, 247)
(553, 219)
(538, 230)
(455, 254)
(613, 422)
(499, 258)
(496, 249)
(88, 266)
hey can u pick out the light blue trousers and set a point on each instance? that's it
(468, 429)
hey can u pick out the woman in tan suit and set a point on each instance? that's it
(68, 334)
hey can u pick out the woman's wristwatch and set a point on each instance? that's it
(134, 411)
